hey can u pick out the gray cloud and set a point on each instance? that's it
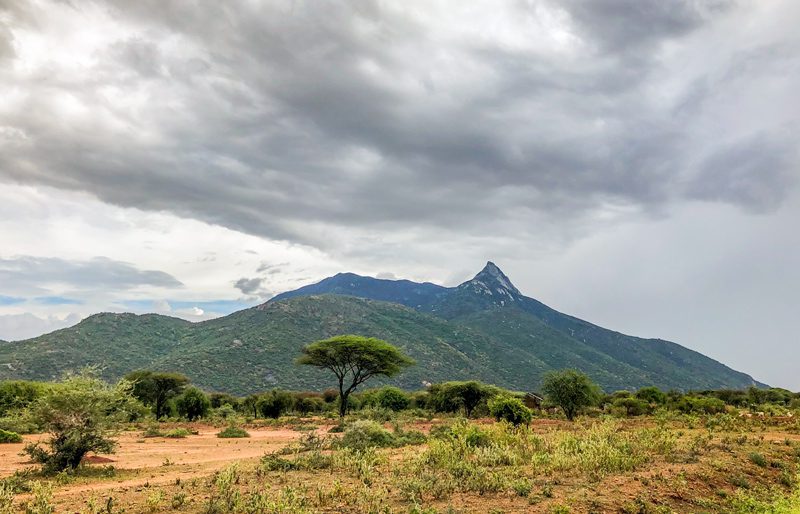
(33, 275)
(249, 286)
(273, 118)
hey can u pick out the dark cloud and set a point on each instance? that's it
(624, 26)
(750, 172)
(267, 118)
(249, 286)
(34, 275)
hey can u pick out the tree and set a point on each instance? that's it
(15, 395)
(193, 404)
(274, 403)
(392, 398)
(452, 396)
(652, 395)
(571, 390)
(156, 388)
(80, 413)
(354, 360)
(508, 408)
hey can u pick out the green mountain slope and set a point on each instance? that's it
(483, 329)
(116, 343)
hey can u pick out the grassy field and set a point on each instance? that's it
(668, 463)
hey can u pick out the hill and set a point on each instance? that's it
(483, 329)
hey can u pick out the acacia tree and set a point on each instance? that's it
(155, 388)
(571, 390)
(81, 414)
(354, 360)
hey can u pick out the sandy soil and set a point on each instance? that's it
(142, 462)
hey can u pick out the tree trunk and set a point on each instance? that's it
(343, 404)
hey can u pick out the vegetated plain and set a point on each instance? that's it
(648, 451)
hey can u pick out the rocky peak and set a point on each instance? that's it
(491, 281)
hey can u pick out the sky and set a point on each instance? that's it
(631, 162)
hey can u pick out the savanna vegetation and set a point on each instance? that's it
(467, 446)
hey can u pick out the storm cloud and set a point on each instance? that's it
(282, 118)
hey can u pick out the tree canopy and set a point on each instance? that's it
(571, 390)
(156, 388)
(354, 360)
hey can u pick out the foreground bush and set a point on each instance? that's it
(7, 436)
(80, 414)
(510, 409)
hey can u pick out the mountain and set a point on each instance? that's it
(484, 328)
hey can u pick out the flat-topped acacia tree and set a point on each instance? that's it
(354, 360)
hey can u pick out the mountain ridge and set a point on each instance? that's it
(484, 328)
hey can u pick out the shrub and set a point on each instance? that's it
(632, 406)
(758, 459)
(177, 433)
(697, 405)
(571, 390)
(392, 398)
(193, 404)
(19, 425)
(156, 388)
(651, 395)
(308, 404)
(233, 432)
(80, 414)
(219, 399)
(7, 436)
(365, 433)
(16, 395)
(274, 404)
(225, 411)
(455, 396)
(510, 409)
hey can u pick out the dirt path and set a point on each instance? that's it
(159, 460)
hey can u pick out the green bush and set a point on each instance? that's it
(219, 399)
(308, 404)
(80, 414)
(392, 398)
(233, 432)
(16, 395)
(274, 404)
(193, 404)
(510, 409)
(19, 425)
(700, 405)
(7, 436)
(632, 406)
(571, 390)
(466, 396)
(177, 433)
(365, 433)
(652, 395)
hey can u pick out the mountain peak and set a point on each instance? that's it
(492, 280)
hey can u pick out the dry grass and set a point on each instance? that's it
(656, 464)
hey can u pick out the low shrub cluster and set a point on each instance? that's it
(232, 432)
